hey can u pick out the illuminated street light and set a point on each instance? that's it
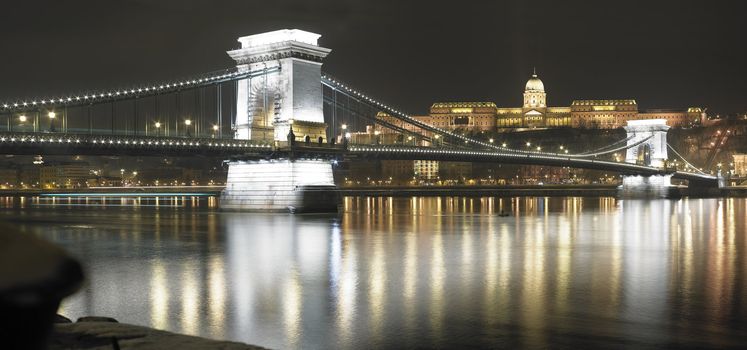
(188, 122)
(529, 144)
(344, 126)
(22, 118)
(504, 145)
(491, 140)
(51, 116)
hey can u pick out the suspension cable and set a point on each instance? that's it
(685, 160)
(142, 90)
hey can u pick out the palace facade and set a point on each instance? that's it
(535, 113)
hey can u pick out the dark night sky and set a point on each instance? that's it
(665, 54)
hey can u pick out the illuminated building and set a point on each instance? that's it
(64, 175)
(426, 169)
(535, 113)
(468, 115)
(740, 164)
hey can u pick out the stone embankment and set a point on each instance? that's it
(93, 333)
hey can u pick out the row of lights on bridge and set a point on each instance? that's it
(124, 92)
(52, 115)
(128, 142)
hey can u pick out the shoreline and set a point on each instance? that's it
(389, 191)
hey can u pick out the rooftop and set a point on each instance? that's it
(462, 104)
(603, 102)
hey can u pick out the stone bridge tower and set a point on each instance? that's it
(652, 152)
(291, 92)
(288, 95)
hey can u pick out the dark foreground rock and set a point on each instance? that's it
(110, 335)
(35, 276)
(61, 319)
(97, 319)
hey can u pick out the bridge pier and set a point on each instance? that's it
(280, 186)
(651, 186)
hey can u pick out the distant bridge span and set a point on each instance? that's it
(70, 144)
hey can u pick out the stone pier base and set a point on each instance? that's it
(653, 186)
(280, 186)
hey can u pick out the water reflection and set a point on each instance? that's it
(415, 272)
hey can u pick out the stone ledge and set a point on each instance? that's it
(103, 335)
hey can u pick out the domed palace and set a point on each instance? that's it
(535, 113)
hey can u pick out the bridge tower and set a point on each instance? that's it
(287, 96)
(652, 152)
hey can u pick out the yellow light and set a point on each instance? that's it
(344, 126)
(215, 127)
(22, 118)
(461, 110)
(52, 115)
(158, 124)
(188, 122)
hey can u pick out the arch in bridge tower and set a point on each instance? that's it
(652, 152)
(267, 105)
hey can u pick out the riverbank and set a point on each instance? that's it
(478, 191)
(527, 190)
(107, 333)
(383, 191)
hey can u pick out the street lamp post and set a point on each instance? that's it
(215, 130)
(22, 119)
(158, 128)
(52, 116)
(187, 124)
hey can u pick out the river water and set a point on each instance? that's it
(424, 272)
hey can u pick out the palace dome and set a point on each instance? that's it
(535, 84)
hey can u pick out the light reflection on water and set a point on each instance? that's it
(412, 272)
